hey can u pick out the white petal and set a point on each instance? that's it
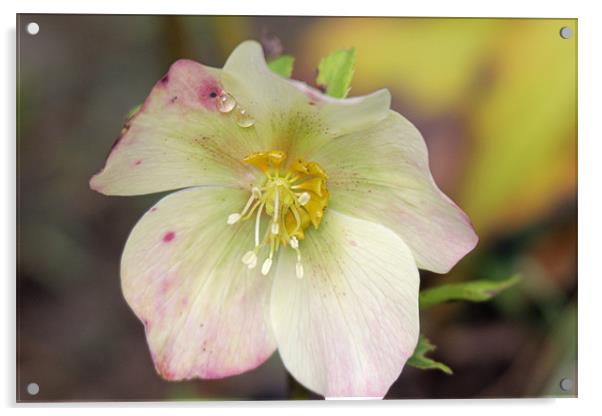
(382, 174)
(290, 115)
(347, 327)
(204, 311)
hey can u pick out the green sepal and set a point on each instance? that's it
(473, 291)
(336, 71)
(283, 65)
(421, 361)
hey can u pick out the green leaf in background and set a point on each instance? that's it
(474, 291)
(421, 361)
(283, 65)
(336, 71)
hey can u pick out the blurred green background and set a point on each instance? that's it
(494, 98)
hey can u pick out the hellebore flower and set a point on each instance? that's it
(302, 227)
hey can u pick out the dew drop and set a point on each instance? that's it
(225, 103)
(243, 119)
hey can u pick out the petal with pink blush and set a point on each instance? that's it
(382, 174)
(205, 313)
(178, 139)
(347, 327)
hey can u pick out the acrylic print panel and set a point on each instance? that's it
(251, 237)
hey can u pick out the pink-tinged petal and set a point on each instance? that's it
(205, 313)
(178, 139)
(382, 175)
(289, 115)
(348, 326)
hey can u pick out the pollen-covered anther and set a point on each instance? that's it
(267, 265)
(249, 257)
(294, 242)
(304, 198)
(233, 218)
(292, 196)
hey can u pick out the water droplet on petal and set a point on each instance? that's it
(225, 103)
(243, 119)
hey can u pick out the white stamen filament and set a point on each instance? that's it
(267, 264)
(257, 220)
(288, 198)
(276, 203)
(275, 228)
(235, 217)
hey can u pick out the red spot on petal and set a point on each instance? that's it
(169, 236)
(353, 243)
(208, 92)
(138, 162)
(153, 209)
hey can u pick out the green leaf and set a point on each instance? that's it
(474, 291)
(283, 65)
(421, 361)
(336, 71)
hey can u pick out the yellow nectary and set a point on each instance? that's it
(291, 197)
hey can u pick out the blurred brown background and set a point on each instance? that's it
(494, 98)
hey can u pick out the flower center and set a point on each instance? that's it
(291, 198)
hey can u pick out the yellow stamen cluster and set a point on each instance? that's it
(292, 198)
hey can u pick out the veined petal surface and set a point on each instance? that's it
(382, 174)
(205, 313)
(178, 139)
(290, 115)
(348, 326)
